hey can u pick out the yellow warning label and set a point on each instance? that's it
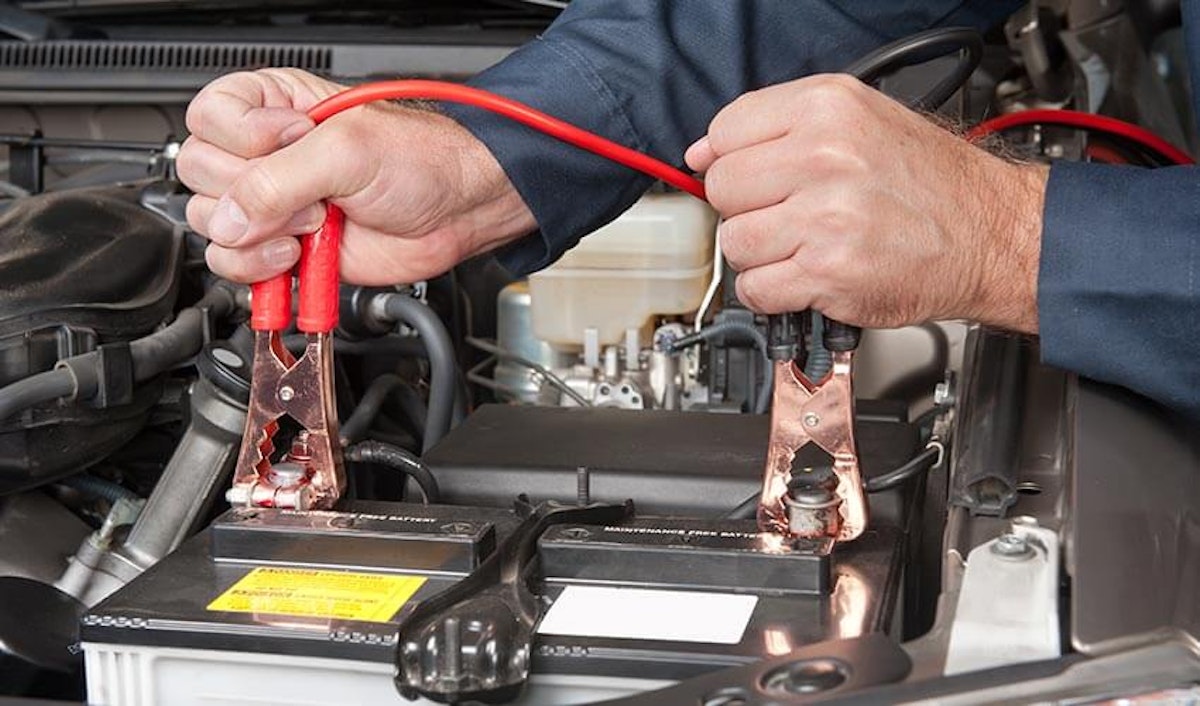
(344, 595)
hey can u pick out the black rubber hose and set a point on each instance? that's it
(919, 48)
(394, 345)
(412, 405)
(399, 459)
(443, 368)
(78, 377)
(35, 390)
(360, 420)
(915, 466)
(182, 338)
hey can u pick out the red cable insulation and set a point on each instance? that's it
(454, 93)
(1086, 121)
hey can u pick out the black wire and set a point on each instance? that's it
(746, 510)
(915, 467)
(918, 49)
(398, 459)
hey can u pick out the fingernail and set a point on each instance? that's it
(279, 254)
(294, 132)
(228, 222)
(305, 221)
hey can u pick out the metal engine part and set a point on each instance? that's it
(191, 481)
(630, 376)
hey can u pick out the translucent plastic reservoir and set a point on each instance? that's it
(654, 260)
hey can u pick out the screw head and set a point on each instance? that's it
(286, 393)
(1012, 546)
(812, 420)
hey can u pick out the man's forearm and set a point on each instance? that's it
(651, 74)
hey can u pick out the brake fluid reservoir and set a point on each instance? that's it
(654, 260)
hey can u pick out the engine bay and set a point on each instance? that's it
(550, 490)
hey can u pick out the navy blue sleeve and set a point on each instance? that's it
(1119, 285)
(651, 74)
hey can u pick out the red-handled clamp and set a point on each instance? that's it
(310, 474)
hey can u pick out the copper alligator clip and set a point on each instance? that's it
(310, 474)
(820, 412)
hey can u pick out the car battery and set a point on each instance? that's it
(274, 606)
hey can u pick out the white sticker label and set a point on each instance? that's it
(644, 614)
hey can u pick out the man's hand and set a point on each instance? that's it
(420, 193)
(840, 199)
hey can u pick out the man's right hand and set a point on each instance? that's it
(420, 192)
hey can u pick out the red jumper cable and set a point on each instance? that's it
(310, 475)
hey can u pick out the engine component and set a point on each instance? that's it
(38, 658)
(83, 271)
(986, 453)
(653, 260)
(514, 333)
(190, 483)
(589, 317)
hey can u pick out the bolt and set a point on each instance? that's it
(300, 452)
(1012, 546)
(812, 420)
(943, 395)
(583, 486)
(286, 393)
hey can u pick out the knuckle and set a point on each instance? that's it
(722, 129)
(259, 191)
(198, 116)
(838, 155)
(185, 163)
(716, 181)
(733, 243)
(840, 223)
(836, 89)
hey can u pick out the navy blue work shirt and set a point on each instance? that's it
(1119, 285)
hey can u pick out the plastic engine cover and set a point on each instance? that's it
(80, 268)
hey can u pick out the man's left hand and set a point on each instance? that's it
(838, 198)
